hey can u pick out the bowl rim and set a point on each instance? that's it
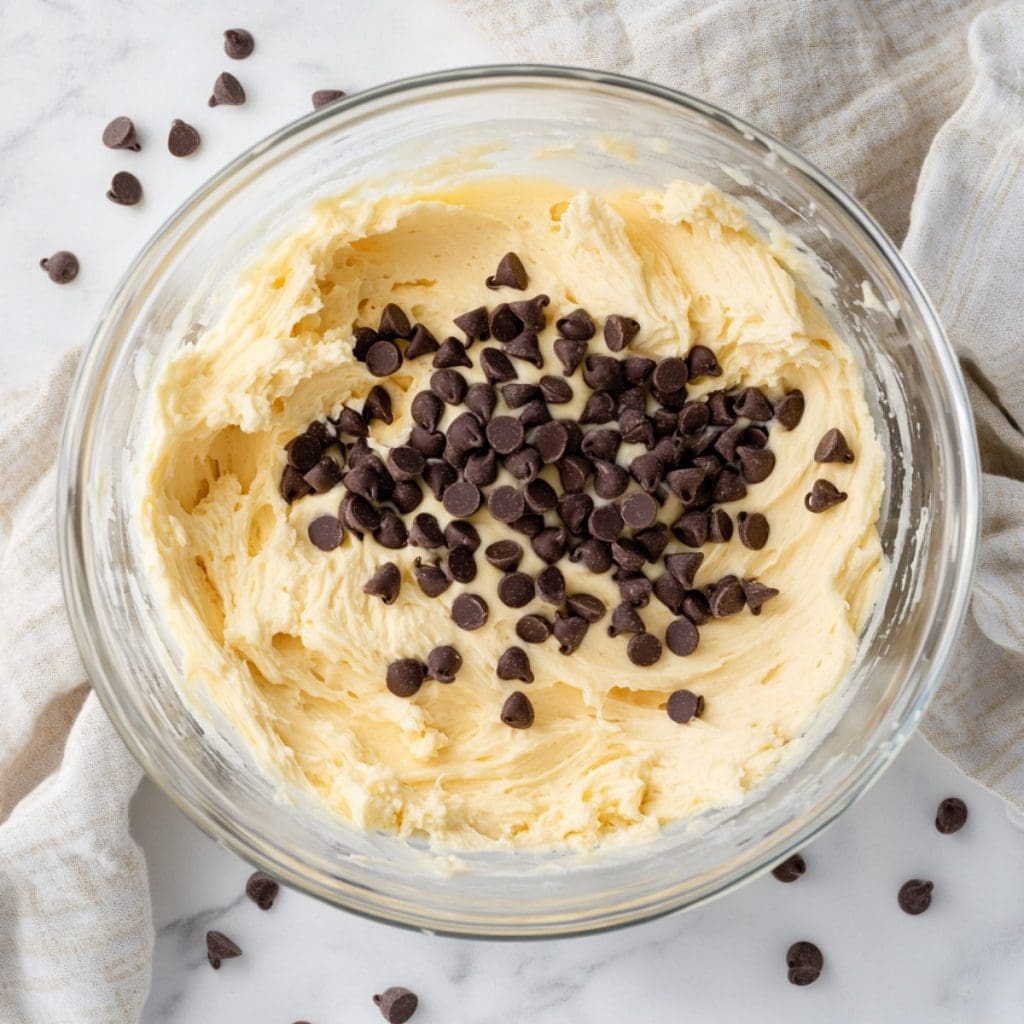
(78, 595)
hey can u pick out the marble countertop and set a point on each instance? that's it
(66, 68)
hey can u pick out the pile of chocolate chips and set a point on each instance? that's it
(606, 507)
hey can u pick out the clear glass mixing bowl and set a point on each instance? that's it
(594, 129)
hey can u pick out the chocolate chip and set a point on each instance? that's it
(666, 423)
(449, 386)
(458, 534)
(365, 480)
(517, 711)
(719, 526)
(683, 566)
(753, 530)
(392, 532)
(696, 608)
(352, 423)
(474, 324)
(611, 480)
(602, 373)
(405, 676)
(685, 484)
(510, 274)
(551, 441)
(183, 139)
(720, 409)
(504, 324)
(322, 431)
(540, 496)
(692, 529)
(636, 427)
(443, 663)
(757, 595)
(599, 408)
(693, 418)
(531, 312)
(684, 705)
(524, 464)
(823, 496)
(681, 637)
(727, 598)
(432, 581)
(634, 589)
(125, 189)
(505, 503)
(790, 869)
(584, 606)
(573, 509)
(670, 592)
(405, 462)
(421, 343)
(789, 409)
(426, 532)
(625, 619)
(219, 948)
(497, 366)
(120, 134)
(755, 437)
(430, 444)
(518, 395)
(439, 476)
(569, 632)
(576, 326)
(469, 611)
(550, 544)
(605, 522)
(637, 369)
(238, 43)
(505, 434)
(358, 514)
(701, 362)
(569, 353)
(525, 346)
(515, 664)
(461, 499)
(756, 464)
(602, 444)
(951, 816)
(304, 452)
(633, 398)
(378, 405)
(504, 555)
(529, 524)
(325, 475)
(534, 413)
(460, 564)
(595, 555)
(326, 532)
(407, 496)
(384, 358)
(262, 890)
(619, 331)
(555, 390)
(396, 1004)
(227, 91)
(750, 402)
(653, 540)
(628, 555)
(646, 470)
(643, 649)
(805, 962)
(533, 629)
(481, 468)
(61, 267)
(322, 97)
(451, 352)
(670, 375)
(573, 473)
(515, 589)
(481, 399)
(551, 585)
(726, 442)
(833, 448)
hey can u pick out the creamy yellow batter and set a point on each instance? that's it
(284, 640)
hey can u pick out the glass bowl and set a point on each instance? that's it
(592, 129)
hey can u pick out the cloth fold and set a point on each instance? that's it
(862, 89)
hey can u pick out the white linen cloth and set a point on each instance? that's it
(862, 88)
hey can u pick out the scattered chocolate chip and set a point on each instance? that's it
(951, 816)
(443, 663)
(631, 398)
(605, 522)
(469, 611)
(534, 414)
(482, 468)
(304, 452)
(183, 139)
(120, 134)
(238, 43)
(619, 331)
(685, 484)
(727, 598)
(691, 529)
(790, 869)
(378, 406)
(789, 409)
(573, 473)
(451, 352)
(515, 664)
(505, 504)
(805, 962)
(756, 464)
(611, 480)
(540, 496)
(551, 585)
(625, 619)
(321, 97)
(474, 324)
(551, 441)
(262, 890)
(439, 476)
(219, 948)
(682, 637)
(683, 566)
(833, 448)
(481, 399)
(515, 589)
(525, 346)
(430, 444)
(352, 423)
(637, 369)
(325, 475)
(915, 896)
(322, 432)
(636, 427)
(757, 595)
(599, 408)
(384, 358)
(407, 496)
(426, 532)
(753, 530)
(461, 499)
(755, 437)
(574, 509)
(628, 555)
(517, 711)
(427, 409)
(646, 470)
(358, 514)
(555, 390)
(596, 555)
(405, 462)
(524, 464)
(635, 589)
(533, 629)
(569, 353)
(701, 362)
(460, 564)
(449, 386)
(421, 343)
(643, 649)
(670, 592)
(696, 608)
(394, 323)
(531, 312)
(497, 366)
(653, 540)
(750, 402)
(510, 274)
(504, 324)
(720, 409)
(432, 581)
(823, 496)
(601, 444)
(684, 705)
(504, 555)
(670, 375)
(719, 526)
(518, 395)
(550, 544)
(505, 434)
(405, 676)
(362, 339)
(576, 326)
(602, 373)
(584, 606)
(392, 532)
(61, 267)
(396, 1004)
(569, 632)
(693, 418)
(227, 91)
(326, 532)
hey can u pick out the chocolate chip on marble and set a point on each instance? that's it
(670, 592)
(430, 444)
(533, 629)
(596, 555)
(951, 815)
(120, 134)
(220, 948)
(569, 631)
(757, 595)
(602, 373)
(431, 579)
(505, 434)
(497, 366)
(570, 353)
(396, 1004)
(610, 479)
(833, 447)
(238, 43)
(550, 585)
(625, 619)
(461, 499)
(504, 324)
(227, 91)
(701, 362)
(726, 598)
(262, 889)
(439, 476)
(474, 324)
(443, 664)
(696, 608)
(684, 705)
(469, 611)
(358, 514)
(750, 402)
(619, 331)
(524, 464)
(634, 589)
(684, 565)
(643, 649)
(377, 406)
(540, 496)
(517, 711)
(550, 544)
(719, 526)
(510, 274)
(753, 530)
(531, 311)
(61, 267)
(823, 495)
(756, 464)
(525, 346)
(322, 97)
(682, 637)
(585, 606)
(789, 409)
(506, 504)
(628, 555)
(804, 961)
(653, 540)
(392, 532)
(790, 869)
(514, 663)
(691, 528)
(125, 189)
(182, 139)
(574, 509)
(326, 532)
(459, 564)
(426, 532)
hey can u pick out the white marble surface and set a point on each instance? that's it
(68, 66)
